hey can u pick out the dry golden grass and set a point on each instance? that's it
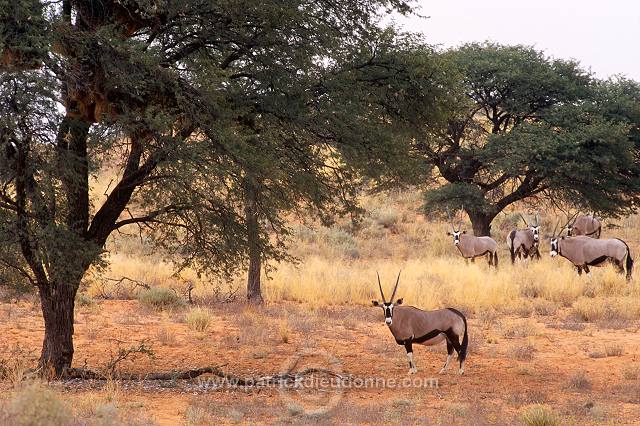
(338, 266)
(198, 319)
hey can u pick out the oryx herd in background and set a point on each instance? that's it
(582, 246)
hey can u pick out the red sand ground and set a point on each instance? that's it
(504, 375)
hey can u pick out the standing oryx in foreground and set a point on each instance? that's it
(588, 225)
(525, 242)
(411, 325)
(585, 251)
(471, 246)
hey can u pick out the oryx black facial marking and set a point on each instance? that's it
(410, 325)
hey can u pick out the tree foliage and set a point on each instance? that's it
(191, 103)
(523, 125)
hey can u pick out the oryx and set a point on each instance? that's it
(411, 325)
(588, 225)
(525, 242)
(471, 246)
(585, 251)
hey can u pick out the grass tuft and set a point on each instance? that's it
(160, 298)
(198, 319)
(540, 415)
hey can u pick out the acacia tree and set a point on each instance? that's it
(194, 102)
(523, 124)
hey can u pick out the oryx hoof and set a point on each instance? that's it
(413, 370)
(461, 371)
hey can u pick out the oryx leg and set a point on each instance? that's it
(455, 342)
(619, 265)
(490, 258)
(472, 259)
(579, 268)
(449, 355)
(409, 347)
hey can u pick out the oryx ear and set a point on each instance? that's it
(375, 303)
(399, 301)
(464, 232)
(448, 233)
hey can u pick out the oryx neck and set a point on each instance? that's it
(559, 249)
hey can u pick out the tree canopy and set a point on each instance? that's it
(521, 125)
(191, 103)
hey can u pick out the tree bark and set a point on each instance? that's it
(58, 302)
(254, 293)
(481, 223)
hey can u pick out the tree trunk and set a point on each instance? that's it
(58, 302)
(254, 293)
(481, 223)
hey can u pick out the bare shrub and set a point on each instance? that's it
(579, 381)
(614, 350)
(631, 373)
(488, 318)
(458, 410)
(14, 369)
(519, 329)
(387, 217)
(544, 307)
(36, 405)
(524, 352)
(523, 310)
(528, 397)
(84, 300)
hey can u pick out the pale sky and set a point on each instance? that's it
(603, 35)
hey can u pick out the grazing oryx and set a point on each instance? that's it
(411, 325)
(525, 242)
(585, 251)
(471, 246)
(588, 225)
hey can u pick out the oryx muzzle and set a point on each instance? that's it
(411, 325)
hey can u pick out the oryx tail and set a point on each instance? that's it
(629, 262)
(512, 250)
(465, 338)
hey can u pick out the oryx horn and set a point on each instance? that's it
(396, 286)
(523, 219)
(450, 220)
(380, 285)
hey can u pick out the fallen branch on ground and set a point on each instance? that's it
(286, 377)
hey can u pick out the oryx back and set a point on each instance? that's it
(582, 250)
(587, 225)
(424, 327)
(471, 246)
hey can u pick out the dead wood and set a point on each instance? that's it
(286, 377)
